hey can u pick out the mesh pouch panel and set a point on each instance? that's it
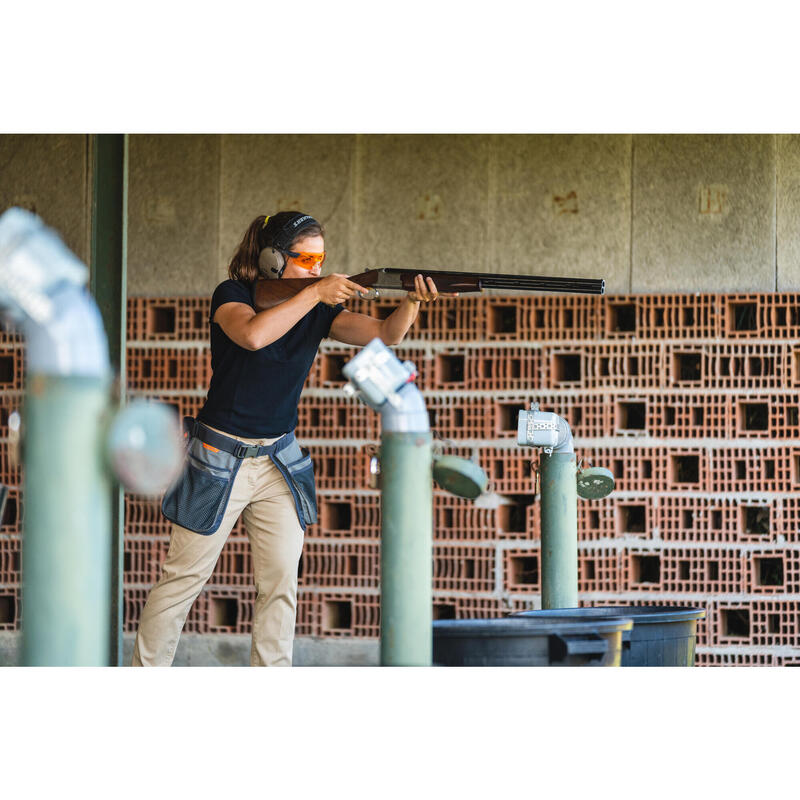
(198, 500)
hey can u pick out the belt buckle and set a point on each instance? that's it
(246, 451)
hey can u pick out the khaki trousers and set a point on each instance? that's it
(259, 492)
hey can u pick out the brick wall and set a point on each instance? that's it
(693, 401)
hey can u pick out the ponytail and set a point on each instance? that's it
(244, 264)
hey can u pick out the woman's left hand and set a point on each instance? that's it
(426, 292)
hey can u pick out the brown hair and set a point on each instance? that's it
(244, 264)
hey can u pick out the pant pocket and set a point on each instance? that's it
(198, 499)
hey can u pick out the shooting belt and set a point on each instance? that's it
(198, 498)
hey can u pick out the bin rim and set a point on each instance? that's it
(526, 626)
(640, 614)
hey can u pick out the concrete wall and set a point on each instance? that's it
(561, 205)
(649, 213)
(49, 174)
(173, 212)
(788, 211)
(704, 216)
(265, 174)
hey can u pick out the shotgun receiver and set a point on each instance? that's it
(268, 293)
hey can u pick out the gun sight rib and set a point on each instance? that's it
(521, 282)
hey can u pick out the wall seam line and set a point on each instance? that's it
(630, 247)
(490, 203)
(355, 199)
(775, 145)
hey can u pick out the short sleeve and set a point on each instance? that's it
(230, 292)
(330, 314)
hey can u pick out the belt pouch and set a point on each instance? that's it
(295, 465)
(198, 498)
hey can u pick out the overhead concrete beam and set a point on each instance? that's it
(561, 205)
(49, 175)
(269, 173)
(703, 213)
(422, 201)
(173, 215)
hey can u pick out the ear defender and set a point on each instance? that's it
(271, 263)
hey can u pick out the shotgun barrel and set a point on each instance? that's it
(268, 293)
(489, 280)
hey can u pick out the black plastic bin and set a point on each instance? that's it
(558, 641)
(662, 636)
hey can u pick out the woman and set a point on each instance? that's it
(242, 457)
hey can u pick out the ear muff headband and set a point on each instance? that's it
(289, 230)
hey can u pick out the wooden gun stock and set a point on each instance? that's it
(269, 292)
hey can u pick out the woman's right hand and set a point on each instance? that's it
(336, 288)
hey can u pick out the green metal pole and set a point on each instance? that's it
(66, 547)
(559, 530)
(108, 285)
(406, 549)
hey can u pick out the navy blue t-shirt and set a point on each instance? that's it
(254, 393)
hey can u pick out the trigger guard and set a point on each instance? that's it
(370, 294)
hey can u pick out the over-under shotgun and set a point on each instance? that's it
(269, 293)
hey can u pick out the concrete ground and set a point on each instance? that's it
(210, 650)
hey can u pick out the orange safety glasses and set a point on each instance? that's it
(306, 260)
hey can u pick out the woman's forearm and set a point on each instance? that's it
(268, 326)
(396, 325)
